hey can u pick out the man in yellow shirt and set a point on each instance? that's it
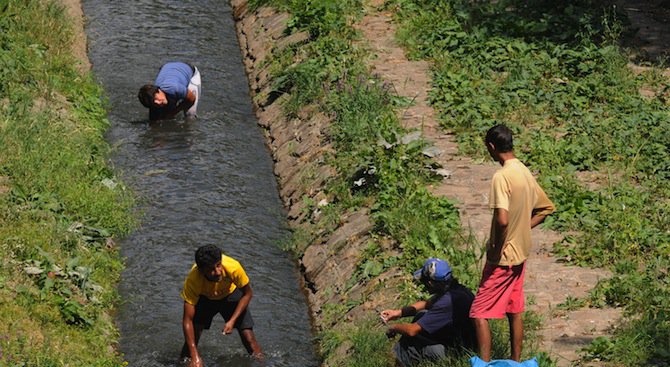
(216, 284)
(518, 204)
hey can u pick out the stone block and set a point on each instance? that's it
(240, 8)
(293, 39)
(275, 24)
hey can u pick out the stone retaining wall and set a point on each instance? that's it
(299, 148)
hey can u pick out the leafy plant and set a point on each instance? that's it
(64, 204)
(576, 112)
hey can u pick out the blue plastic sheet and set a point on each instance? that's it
(477, 362)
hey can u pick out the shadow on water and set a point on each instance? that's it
(204, 181)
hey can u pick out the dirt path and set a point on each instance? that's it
(548, 282)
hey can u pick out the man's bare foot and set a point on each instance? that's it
(258, 357)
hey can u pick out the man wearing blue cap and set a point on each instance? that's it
(439, 323)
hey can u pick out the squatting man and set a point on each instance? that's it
(216, 284)
(439, 324)
(177, 88)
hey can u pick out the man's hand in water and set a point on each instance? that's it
(228, 327)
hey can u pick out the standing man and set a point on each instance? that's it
(177, 88)
(216, 284)
(439, 323)
(518, 204)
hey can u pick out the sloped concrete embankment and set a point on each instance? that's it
(299, 147)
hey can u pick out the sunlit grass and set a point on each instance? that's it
(375, 170)
(574, 105)
(64, 205)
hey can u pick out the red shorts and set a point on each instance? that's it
(500, 292)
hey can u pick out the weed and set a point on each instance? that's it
(571, 303)
(64, 205)
(370, 348)
(555, 75)
(379, 167)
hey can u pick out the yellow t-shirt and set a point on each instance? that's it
(514, 188)
(196, 284)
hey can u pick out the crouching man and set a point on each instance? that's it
(440, 323)
(216, 284)
(177, 88)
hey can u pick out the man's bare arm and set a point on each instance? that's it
(408, 329)
(241, 306)
(501, 222)
(189, 333)
(389, 315)
(536, 219)
(187, 102)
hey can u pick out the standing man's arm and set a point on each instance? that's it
(499, 201)
(189, 334)
(537, 219)
(241, 306)
(543, 207)
(501, 221)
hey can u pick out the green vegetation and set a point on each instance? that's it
(555, 74)
(61, 204)
(380, 165)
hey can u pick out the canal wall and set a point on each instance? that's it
(300, 148)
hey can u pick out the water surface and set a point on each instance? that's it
(201, 182)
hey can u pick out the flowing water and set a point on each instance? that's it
(203, 181)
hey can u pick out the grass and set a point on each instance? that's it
(556, 75)
(375, 170)
(366, 345)
(64, 206)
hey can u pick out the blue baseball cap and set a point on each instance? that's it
(434, 269)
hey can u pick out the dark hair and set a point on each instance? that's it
(501, 137)
(441, 286)
(207, 256)
(146, 95)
